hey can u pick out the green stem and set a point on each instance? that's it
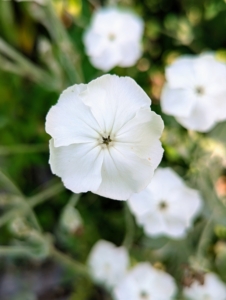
(32, 202)
(8, 183)
(69, 262)
(27, 67)
(68, 55)
(205, 238)
(7, 150)
(7, 251)
(129, 222)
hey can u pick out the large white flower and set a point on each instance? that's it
(105, 138)
(195, 92)
(144, 282)
(107, 263)
(114, 38)
(212, 288)
(167, 206)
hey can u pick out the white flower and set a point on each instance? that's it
(105, 138)
(114, 38)
(144, 282)
(212, 289)
(71, 219)
(167, 206)
(195, 92)
(107, 263)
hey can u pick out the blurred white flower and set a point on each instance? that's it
(211, 289)
(195, 92)
(71, 219)
(167, 206)
(105, 138)
(144, 282)
(114, 38)
(107, 263)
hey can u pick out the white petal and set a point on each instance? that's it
(154, 224)
(175, 227)
(116, 101)
(202, 118)
(162, 279)
(141, 133)
(177, 102)
(107, 59)
(220, 106)
(70, 120)
(164, 181)
(123, 173)
(181, 73)
(141, 203)
(184, 203)
(79, 165)
(94, 43)
(130, 53)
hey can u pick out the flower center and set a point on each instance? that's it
(163, 205)
(199, 90)
(144, 295)
(111, 36)
(107, 140)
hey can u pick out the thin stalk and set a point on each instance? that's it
(205, 238)
(68, 55)
(46, 194)
(129, 222)
(32, 202)
(8, 250)
(27, 67)
(69, 262)
(8, 150)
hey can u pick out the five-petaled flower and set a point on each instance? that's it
(167, 206)
(105, 138)
(107, 263)
(114, 38)
(195, 92)
(144, 282)
(211, 288)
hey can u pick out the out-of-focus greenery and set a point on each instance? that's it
(41, 53)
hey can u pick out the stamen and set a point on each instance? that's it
(106, 140)
(199, 90)
(163, 205)
(143, 295)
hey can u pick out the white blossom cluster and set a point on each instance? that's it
(105, 139)
(109, 266)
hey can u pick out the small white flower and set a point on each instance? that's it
(212, 289)
(195, 92)
(144, 282)
(71, 219)
(105, 138)
(107, 263)
(114, 38)
(167, 206)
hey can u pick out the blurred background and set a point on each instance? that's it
(42, 53)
